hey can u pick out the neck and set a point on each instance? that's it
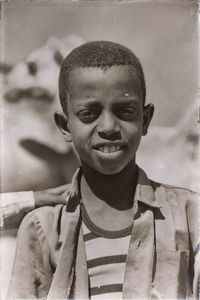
(116, 190)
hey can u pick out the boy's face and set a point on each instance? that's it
(106, 117)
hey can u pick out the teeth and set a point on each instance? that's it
(107, 149)
(115, 148)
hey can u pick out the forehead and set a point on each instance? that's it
(119, 79)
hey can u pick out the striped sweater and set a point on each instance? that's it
(106, 253)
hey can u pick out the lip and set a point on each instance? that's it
(109, 148)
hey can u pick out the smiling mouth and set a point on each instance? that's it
(109, 149)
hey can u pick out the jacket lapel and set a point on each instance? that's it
(139, 264)
(140, 258)
(71, 269)
(81, 272)
(63, 276)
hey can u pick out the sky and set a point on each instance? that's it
(164, 35)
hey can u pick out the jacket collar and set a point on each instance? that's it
(144, 191)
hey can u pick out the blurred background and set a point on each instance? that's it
(36, 36)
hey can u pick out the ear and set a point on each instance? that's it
(147, 116)
(62, 122)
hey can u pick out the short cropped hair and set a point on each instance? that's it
(100, 54)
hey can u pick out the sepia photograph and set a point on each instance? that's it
(100, 166)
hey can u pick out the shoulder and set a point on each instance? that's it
(181, 208)
(44, 213)
(179, 195)
(41, 222)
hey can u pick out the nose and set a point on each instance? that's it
(108, 127)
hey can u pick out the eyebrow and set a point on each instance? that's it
(88, 103)
(126, 101)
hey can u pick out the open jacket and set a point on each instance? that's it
(163, 258)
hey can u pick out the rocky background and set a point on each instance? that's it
(34, 154)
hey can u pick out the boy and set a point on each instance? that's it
(120, 235)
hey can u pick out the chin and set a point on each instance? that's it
(111, 171)
(107, 167)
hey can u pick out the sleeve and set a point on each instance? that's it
(13, 207)
(31, 270)
(193, 215)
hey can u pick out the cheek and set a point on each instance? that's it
(133, 130)
(80, 135)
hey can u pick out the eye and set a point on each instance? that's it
(126, 113)
(88, 116)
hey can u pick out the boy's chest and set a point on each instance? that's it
(156, 258)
